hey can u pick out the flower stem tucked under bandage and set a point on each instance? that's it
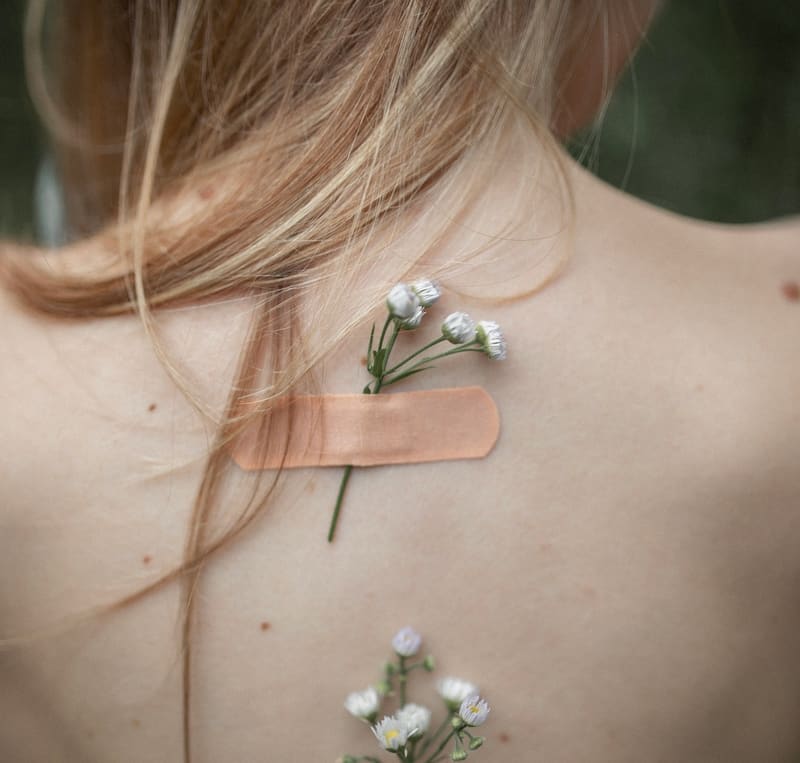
(406, 306)
(372, 430)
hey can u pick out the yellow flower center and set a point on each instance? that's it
(474, 709)
(391, 734)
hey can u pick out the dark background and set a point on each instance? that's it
(705, 123)
(707, 120)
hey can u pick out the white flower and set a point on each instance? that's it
(458, 328)
(455, 690)
(406, 642)
(413, 322)
(363, 704)
(392, 733)
(416, 717)
(402, 302)
(491, 337)
(427, 291)
(473, 710)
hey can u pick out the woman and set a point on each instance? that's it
(619, 574)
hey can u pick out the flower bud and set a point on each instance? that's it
(458, 755)
(429, 663)
(454, 691)
(402, 302)
(392, 733)
(416, 717)
(491, 338)
(389, 668)
(413, 322)
(427, 292)
(474, 711)
(363, 704)
(406, 642)
(383, 688)
(458, 328)
(476, 742)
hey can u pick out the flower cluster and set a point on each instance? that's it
(406, 733)
(407, 302)
(406, 305)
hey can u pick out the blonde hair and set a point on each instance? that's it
(321, 124)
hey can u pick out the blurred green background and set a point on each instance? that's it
(705, 123)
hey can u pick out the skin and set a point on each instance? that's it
(619, 576)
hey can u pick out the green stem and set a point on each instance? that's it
(348, 470)
(455, 351)
(441, 746)
(415, 354)
(389, 348)
(402, 677)
(430, 740)
(383, 331)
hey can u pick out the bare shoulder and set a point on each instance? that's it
(52, 373)
(89, 402)
(670, 362)
(24, 350)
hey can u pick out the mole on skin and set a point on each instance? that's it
(791, 291)
(146, 559)
(151, 407)
(265, 626)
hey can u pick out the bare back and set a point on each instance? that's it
(619, 576)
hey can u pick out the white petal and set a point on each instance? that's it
(417, 717)
(491, 337)
(402, 302)
(473, 710)
(458, 328)
(455, 690)
(362, 704)
(406, 642)
(427, 291)
(391, 733)
(413, 322)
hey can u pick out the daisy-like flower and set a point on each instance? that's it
(413, 322)
(491, 338)
(458, 328)
(363, 704)
(392, 733)
(406, 642)
(473, 710)
(416, 717)
(402, 302)
(455, 690)
(427, 292)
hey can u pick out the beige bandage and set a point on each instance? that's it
(368, 430)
